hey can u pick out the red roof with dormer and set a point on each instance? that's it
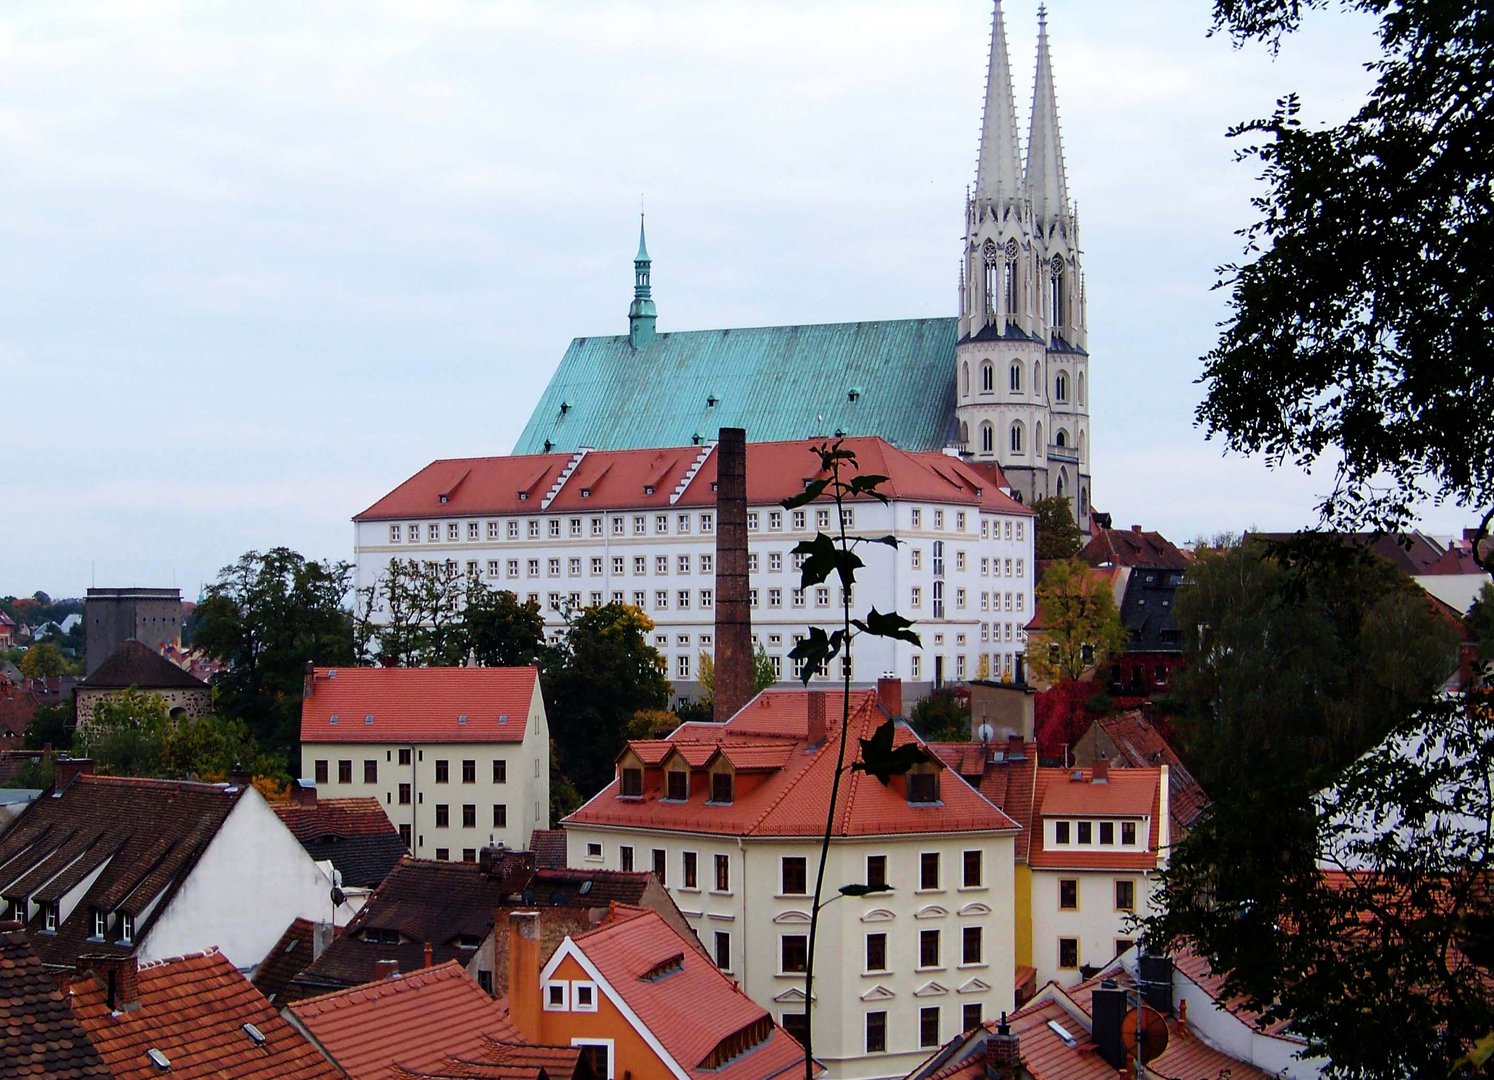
(782, 782)
(419, 705)
(1124, 794)
(668, 477)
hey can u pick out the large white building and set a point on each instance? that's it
(459, 758)
(729, 816)
(638, 527)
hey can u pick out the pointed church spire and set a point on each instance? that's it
(1046, 184)
(641, 313)
(998, 176)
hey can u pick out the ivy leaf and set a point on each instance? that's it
(888, 625)
(881, 759)
(817, 650)
(867, 484)
(823, 557)
(812, 491)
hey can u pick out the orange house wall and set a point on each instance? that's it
(631, 1055)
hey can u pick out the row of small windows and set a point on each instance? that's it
(1014, 380)
(1085, 832)
(930, 1026)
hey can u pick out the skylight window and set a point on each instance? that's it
(158, 1059)
(256, 1036)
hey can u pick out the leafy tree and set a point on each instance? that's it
(1480, 622)
(1358, 327)
(125, 733)
(1080, 624)
(434, 613)
(266, 616)
(943, 716)
(50, 725)
(601, 671)
(1297, 663)
(763, 676)
(43, 660)
(1055, 536)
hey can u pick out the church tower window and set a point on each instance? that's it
(1055, 293)
(1017, 437)
(1061, 386)
(989, 258)
(1016, 378)
(965, 379)
(1061, 439)
(987, 438)
(1037, 440)
(1081, 388)
(987, 377)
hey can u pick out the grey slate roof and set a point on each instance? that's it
(134, 664)
(778, 382)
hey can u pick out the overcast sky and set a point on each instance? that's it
(261, 262)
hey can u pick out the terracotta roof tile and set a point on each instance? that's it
(354, 834)
(411, 1021)
(39, 1036)
(1139, 744)
(1128, 793)
(1134, 547)
(286, 959)
(790, 796)
(150, 832)
(431, 705)
(505, 1061)
(690, 1008)
(192, 1009)
(548, 846)
(1008, 782)
(621, 479)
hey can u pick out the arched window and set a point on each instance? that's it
(1083, 446)
(1016, 377)
(1055, 293)
(1061, 439)
(1017, 437)
(1062, 484)
(1081, 388)
(1037, 377)
(965, 378)
(989, 258)
(1083, 500)
(987, 438)
(1037, 440)
(1061, 386)
(964, 433)
(987, 377)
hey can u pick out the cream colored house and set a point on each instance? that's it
(729, 817)
(459, 757)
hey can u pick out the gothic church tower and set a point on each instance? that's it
(1022, 365)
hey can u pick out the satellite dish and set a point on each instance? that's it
(338, 897)
(986, 733)
(1153, 1033)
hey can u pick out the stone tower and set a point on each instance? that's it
(1022, 365)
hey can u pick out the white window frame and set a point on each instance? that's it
(548, 995)
(577, 986)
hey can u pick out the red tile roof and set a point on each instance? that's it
(506, 1061)
(413, 1021)
(1133, 547)
(548, 846)
(1008, 783)
(692, 1008)
(1138, 743)
(39, 1037)
(1128, 793)
(286, 959)
(146, 834)
(621, 479)
(423, 705)
(354, 834)
(192, 1009)
(791, 795)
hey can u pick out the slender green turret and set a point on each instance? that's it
(641, 313)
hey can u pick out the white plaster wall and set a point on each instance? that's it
(252, 880)
(1226, 1032)
(1096, 922)
(682, 634)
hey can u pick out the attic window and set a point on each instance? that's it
(632, 783)
(668, 966)
(126, 927)
(462, 718)
(256, 1036)
(677, 785)
(524, 495)
(368, 719)
(442, 499)
(99, 925)
(586, 493)
(332, 719)
(923, 786)
(158, 1059)
(721, 788)
(648, 489)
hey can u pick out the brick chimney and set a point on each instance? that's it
(733, 614)
(427, 954)
(1003, 1051)
(511, 870)
(68, 770)
(303, 792)
(890, 694)
(238, 776)
(524, 1005)
(817, 718)
(1100, 770)
(120, 976)
(308, 681)
(384, 969)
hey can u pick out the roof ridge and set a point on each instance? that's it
(210, 951)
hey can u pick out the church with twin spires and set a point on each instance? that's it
(1004, 382)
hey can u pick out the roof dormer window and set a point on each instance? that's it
(677, 785)
(100, 925)
(125, 924)
(923, 785)
(631, 783)
(721, 788)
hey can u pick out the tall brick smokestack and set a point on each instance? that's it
(733, 615)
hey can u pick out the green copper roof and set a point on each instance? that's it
(895, 379)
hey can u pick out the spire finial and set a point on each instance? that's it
(999, 174)
(641, 313)
(642, 255)
(1047, 184)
